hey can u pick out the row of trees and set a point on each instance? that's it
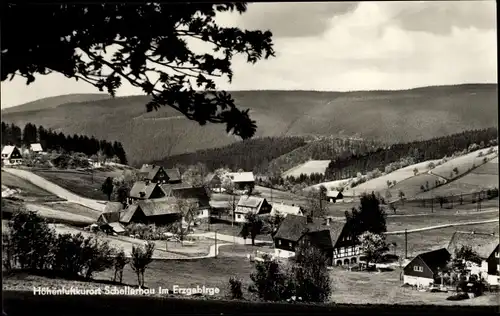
(251, 154)
(50, 140)
(31, 244)
(436, 148)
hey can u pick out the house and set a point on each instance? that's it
(424, 268)
(197, 195)
(144, 190)
(110, 222)
(36, 148)
(174, 175)
(159, 212)
(153, 173)
(214, 183)
(334, 196)
(486, 246)
(331, 237)
(284, 209)
(242, 180)
(11, 155)
(253, 204)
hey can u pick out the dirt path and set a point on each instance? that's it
(55, 189)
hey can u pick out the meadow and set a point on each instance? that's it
(380, 184)
(491, 167)
(412, 186)
(414, 114)
(27, 190)
(307, 168)
(464, 164)
(84, 184)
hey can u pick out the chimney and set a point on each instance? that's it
(473, 232)
(328, 221)
(309, 219)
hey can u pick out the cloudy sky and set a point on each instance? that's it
(344, 47)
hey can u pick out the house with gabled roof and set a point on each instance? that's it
(486, 246)
(334, 196)
(158, 174)
(144, 190)
(198, 195)
(110, 222)
(425, 268)
(242, 180)
(251, 204)
(331, 237)
(285, 209)
(36, 148)
(11, 155)
(160, 212)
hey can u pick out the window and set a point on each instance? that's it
(418, 269)
(238, 216)
(279, 241)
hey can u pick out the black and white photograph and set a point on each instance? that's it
(249, 158)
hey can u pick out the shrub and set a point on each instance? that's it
(141, 258)
(119, 262)
(235, 288)
(97, 256)
(32, 240)
(68, 259)
(458, 297)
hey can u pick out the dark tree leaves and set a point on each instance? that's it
(145, 44)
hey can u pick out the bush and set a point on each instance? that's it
(97, 256)
(458, 297)
(32, 240)
(235, 288)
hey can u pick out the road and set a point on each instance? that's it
(55, 189)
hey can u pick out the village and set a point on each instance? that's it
(229, 206)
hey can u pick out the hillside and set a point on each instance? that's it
(385, 116)
(53, 102)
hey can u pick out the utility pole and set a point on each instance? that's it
(406, 244)
(216, 244)
(232, 214)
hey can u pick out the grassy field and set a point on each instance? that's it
(463, 164)
(419, 242)
(491, 168)
(421, 113)
(28, 191)
(468, 184)
(307, 168)
(380, 184)
(74, 208)
(84, 184)
(412, 186)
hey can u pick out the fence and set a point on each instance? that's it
(452, 201)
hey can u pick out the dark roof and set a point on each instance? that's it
(109, 217)
(197, 193)
(250, 201)
(294, 227)
(435, 259)
(113, 207)
(127, 214)
(173, 174)
(149, 171)
(482, 244)
(321, 238)
(142, 186)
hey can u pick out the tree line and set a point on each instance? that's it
(418, 151)
(249, 155)
(51, 140)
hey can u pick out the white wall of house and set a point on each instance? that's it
(280, 253)
(203, 213)
(493, 279)
(239, 217)
(417, 281)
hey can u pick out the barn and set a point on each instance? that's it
(424, 268)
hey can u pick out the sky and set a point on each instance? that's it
(342, 46)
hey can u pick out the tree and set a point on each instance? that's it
(119, 262)
(141, 258)
(310, 279)
(269, 280)
(227, 184)
(393, 207)
(275, 222)
(97, 256)
(187, 210)
(235, 288)
(415, 171)
(107, 187)
(455, 170)
(254, 225)
(368, 217)
(462, 257)
(388, 194)
(195, 175)
(244, 233)
(401, 196)
(315, 199)
(143, 39)
(373, 246)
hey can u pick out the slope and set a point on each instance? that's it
(386, 116)
(53, 102)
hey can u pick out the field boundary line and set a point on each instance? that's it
(399, 232)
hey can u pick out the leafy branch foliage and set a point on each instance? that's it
(147, 45)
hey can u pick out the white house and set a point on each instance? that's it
(486, 246)
(11, 155)
(284, 209)
(36, 148)
(334, 196)
(247, 204)
(425, 268)
(242, 181)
